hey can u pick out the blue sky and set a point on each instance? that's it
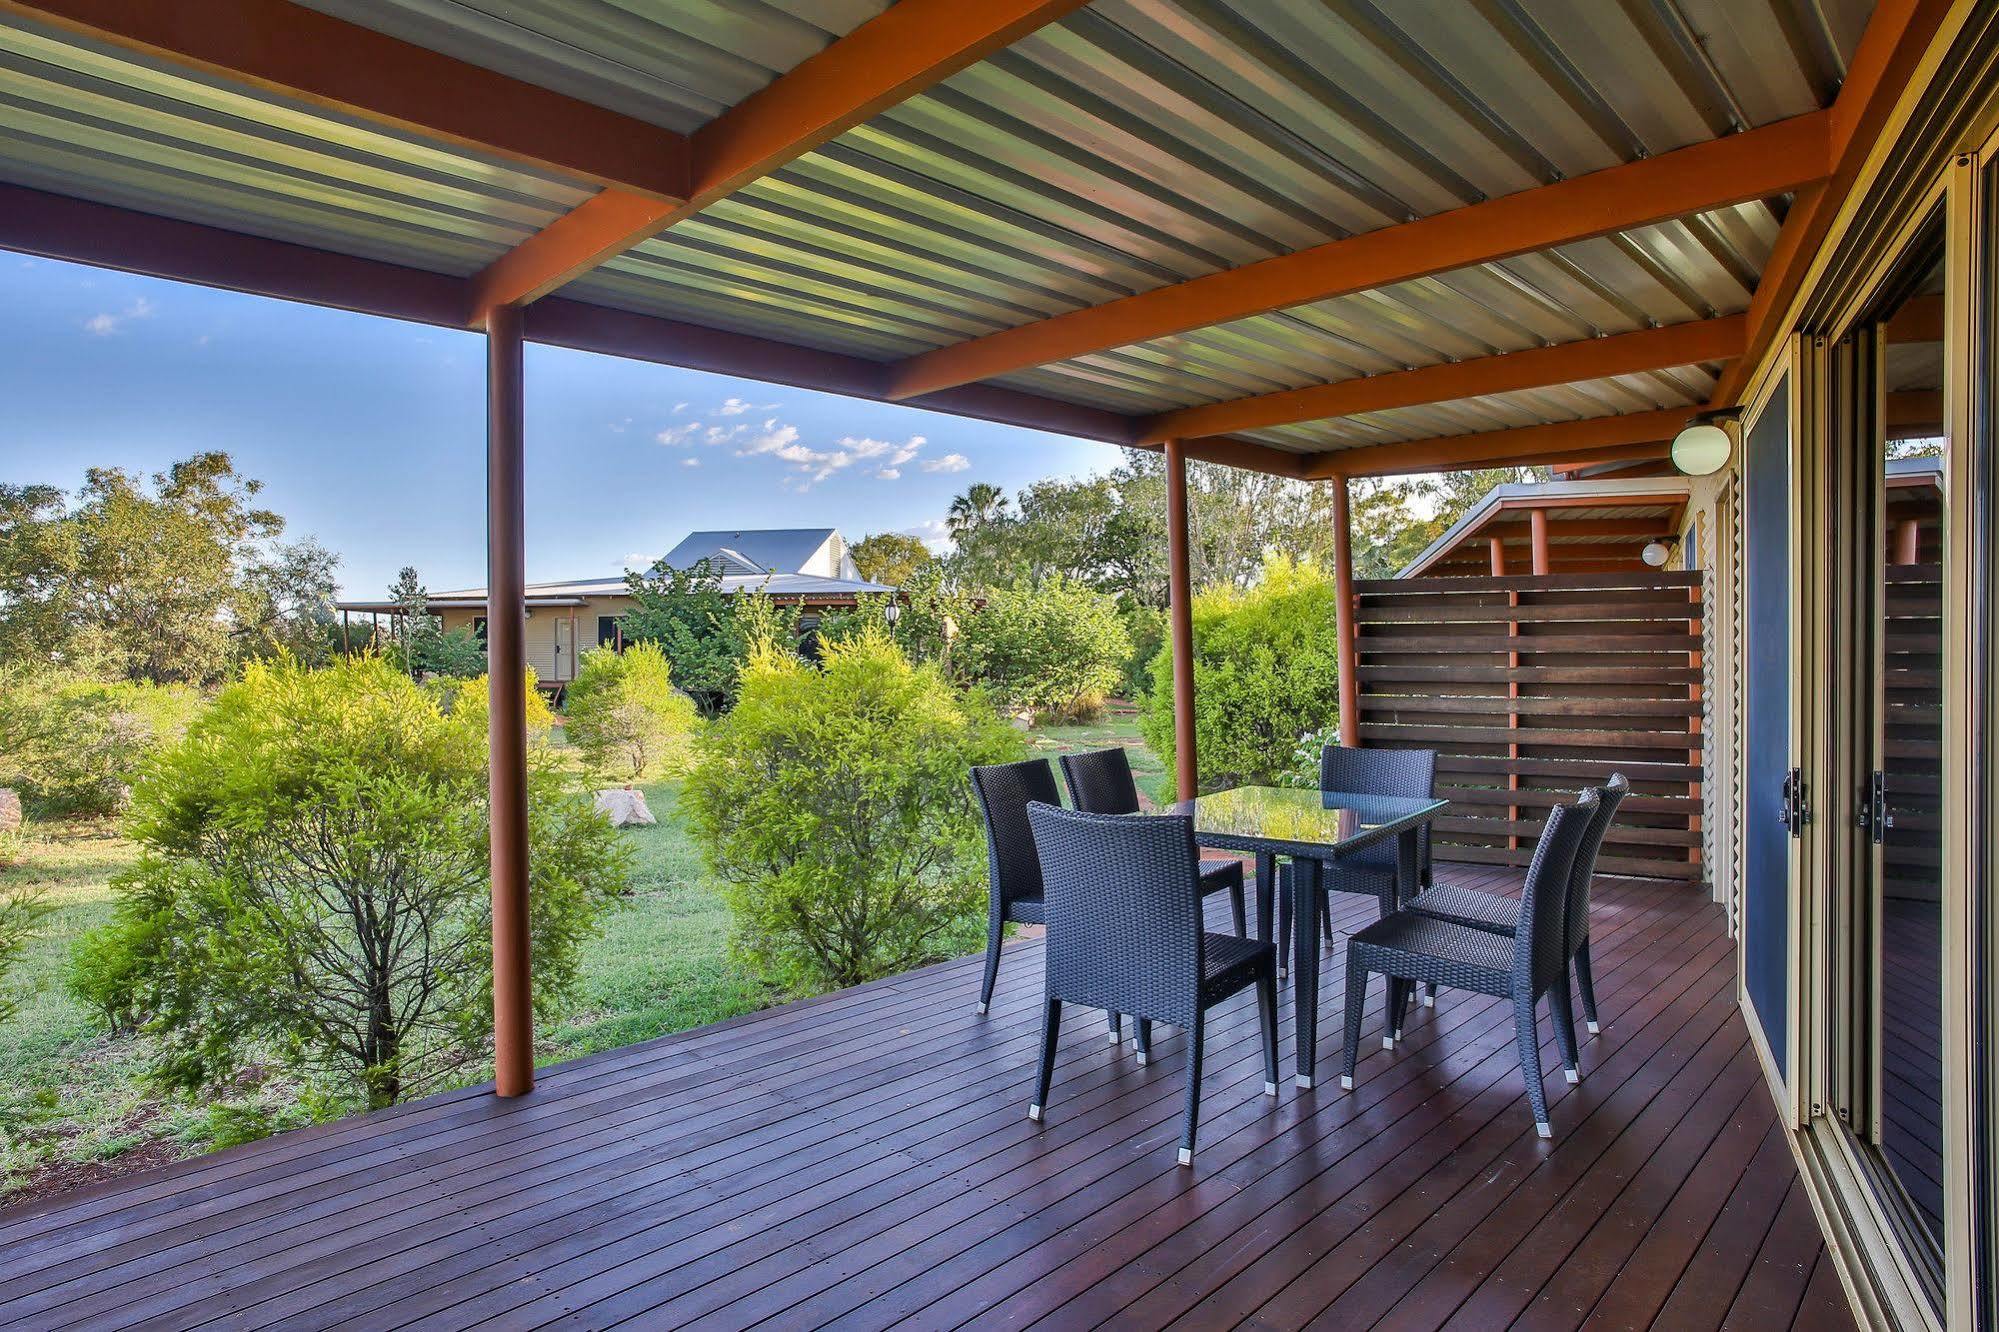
(369, 433)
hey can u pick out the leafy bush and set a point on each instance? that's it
(1306, 753)
(73, 746)
(626, 716)
(312, 887)
(834, 804)
(1056, 647)
(1266, 669)
(1146, 627)
(470, 701)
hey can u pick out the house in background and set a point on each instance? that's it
(1588, 526)
(807, 567)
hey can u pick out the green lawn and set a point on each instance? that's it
(75, 1107)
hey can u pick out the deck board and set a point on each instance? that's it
(863, 1160)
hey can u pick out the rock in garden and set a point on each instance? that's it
(623, 806)
(10, 810)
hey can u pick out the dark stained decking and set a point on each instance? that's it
(865, 1160)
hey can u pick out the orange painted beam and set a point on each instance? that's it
(328, 62)
(1897, 35)
(1519, 446)
(1752, 165)
(1647, 452)
(1509, 372)
(602, 226)
(909, 48)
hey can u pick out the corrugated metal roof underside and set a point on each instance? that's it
(1682, 386)
(1135, 144)
(678, 65)
(1144, 142)
(91, 122)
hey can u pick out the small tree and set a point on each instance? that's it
(312, 886)
(22, 909)
(1266, 670)
(1057, 647)
(890, 557)
(626, 716)
(834, 804)
(695, 623)
(470, 703)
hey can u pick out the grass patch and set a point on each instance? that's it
(1118, 727)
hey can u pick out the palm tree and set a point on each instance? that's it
(980, 504)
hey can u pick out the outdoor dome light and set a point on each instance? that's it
(1656, 553)
(1703, 446)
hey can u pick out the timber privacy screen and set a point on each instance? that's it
(1532, 687)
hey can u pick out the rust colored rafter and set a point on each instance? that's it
(1522, 446)
(1537, 367)
(1752, 165)
(328, 62)
(909, 48)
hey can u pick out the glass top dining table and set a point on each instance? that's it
(1312, 828)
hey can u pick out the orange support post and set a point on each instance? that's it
(1180, 622)
(1497, 551)
(506, 669)
(1537, 524)
(1343, 614)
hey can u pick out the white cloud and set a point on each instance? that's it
(640, 560)
(690, 461)
(105, 324)
(936, 534)
(889, 473)
(733, 407)
(621, 425)
(679, 434)
(950, 462)
(680, 407)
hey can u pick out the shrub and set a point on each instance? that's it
(469, 701)
(834, 803)
(1265, 671)
(312, 887)
(1146, 627)
(1055, 647)
(695, 623)
(626, 716)
(74, 746)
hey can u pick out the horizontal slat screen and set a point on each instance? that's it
(1530, 688)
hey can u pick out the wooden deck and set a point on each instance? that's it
(865, 1160)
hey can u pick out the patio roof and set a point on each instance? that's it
(1339, 247)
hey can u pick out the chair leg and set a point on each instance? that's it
(1117, 1026)
(1051, 1027)
(1587, 984)
(1284, 926)
(1400, 992)
(1144, 1040)
(1326, 917)
(1565, 1031)
(1266, 1016)
(1429, 994)
(993, 928)
(1356, 998)
(1193, 1088)
(1528, 1042)
(1240, 910)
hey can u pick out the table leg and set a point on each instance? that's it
(1266, 893)
(1408, 867)
(1305, 884)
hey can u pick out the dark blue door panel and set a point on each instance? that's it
(1766, 917)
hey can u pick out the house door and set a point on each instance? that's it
(1774, 798)
(1883, 888)
(565, 649)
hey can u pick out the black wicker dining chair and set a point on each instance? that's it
(1406, 947)
(1410, 773)
(1501, 915)
(1004, 791)
(1100, 782)
(1125, 934)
